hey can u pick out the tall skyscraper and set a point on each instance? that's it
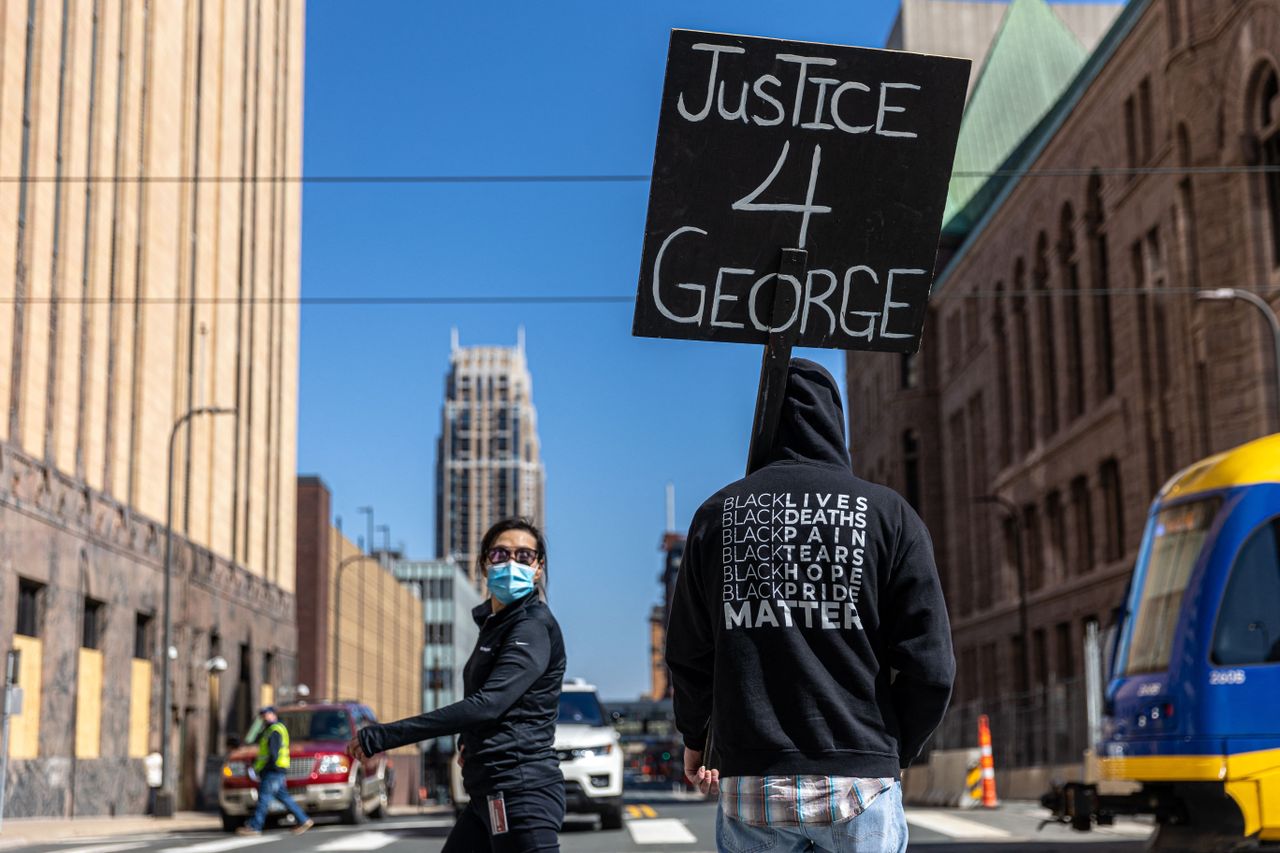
(488, 459)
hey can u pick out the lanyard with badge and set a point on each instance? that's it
(497, 814)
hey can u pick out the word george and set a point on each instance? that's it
(814, 298)
(827, 114)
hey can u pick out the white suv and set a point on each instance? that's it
(590, 757)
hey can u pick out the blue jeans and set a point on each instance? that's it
(272, 787)
(882, 828)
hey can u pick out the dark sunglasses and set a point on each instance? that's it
(500, 554)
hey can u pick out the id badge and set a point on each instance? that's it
(497, 814)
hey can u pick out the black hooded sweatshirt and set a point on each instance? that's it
(808, 630)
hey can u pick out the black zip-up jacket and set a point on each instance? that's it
(507, 721)
(808, 629)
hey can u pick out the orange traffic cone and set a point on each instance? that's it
(989, 800)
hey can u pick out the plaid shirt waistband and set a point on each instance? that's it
(798, 800)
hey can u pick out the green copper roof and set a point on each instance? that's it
(1031, 61)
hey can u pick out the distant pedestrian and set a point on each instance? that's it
(272, 769)
(809, 640)
(507, 718)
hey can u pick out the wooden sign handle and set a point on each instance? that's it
(777, 355)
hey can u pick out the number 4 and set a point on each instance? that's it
(748, 202)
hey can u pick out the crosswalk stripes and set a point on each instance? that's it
(949, 825)
(660, 831)
(223, 845)
(118, 847)
(359, 841)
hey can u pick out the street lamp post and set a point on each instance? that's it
(165, 797)
(382, 628)
(337, 614)
(368, 512)
(1226, 293)
(1011, 509)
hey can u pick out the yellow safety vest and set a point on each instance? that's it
(282, 757)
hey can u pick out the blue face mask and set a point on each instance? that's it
(511, 581)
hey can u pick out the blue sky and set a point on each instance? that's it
(515, 88)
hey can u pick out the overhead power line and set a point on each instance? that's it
(592, 179)
(552, 299)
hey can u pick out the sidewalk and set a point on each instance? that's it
(21, 831)
(41, 830)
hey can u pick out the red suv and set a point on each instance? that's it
(321, 777)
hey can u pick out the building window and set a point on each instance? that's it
(1034, 547)
(1004, 369)
(910, 371)
(1268, 123)
(1147, 119)
(911, 467)
(1010, 565)
(1057, 535)
(30, 607)
(439, 678)
(1083, 523)
(144, 637)
(1048, 355)
(439, 633)
(1247, 623)
(1071, 286)
(268, 668)
(92, 624)
(1131, 133)
(1023, 322)
(1066, 651)
(1113, 505)
(1099, 262)
(1173, 16)
(955, 343)
(1040, 656)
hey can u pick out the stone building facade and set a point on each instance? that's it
(360, 632)
(126, 304)
(1067, 366)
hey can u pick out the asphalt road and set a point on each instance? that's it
(654, 823)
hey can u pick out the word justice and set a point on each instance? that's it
(817, 300)
(830, 111)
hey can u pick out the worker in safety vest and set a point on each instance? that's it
(271, 769)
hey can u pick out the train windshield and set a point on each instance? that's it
(1174, 542)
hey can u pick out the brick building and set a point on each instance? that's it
(360, 632)
(125, 304)
(1067, 366)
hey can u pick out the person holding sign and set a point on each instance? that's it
(507, 719)
(808, 641)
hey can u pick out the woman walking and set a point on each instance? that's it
(507, 718)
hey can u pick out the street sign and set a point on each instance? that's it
(765, 145)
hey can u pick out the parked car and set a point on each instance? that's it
(321, 777)
(590, 757)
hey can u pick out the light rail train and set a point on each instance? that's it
(1192, 705)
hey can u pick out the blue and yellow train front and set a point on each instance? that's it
(1193, 704)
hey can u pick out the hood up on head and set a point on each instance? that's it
(811, 425)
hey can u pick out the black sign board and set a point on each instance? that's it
(765, 145)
